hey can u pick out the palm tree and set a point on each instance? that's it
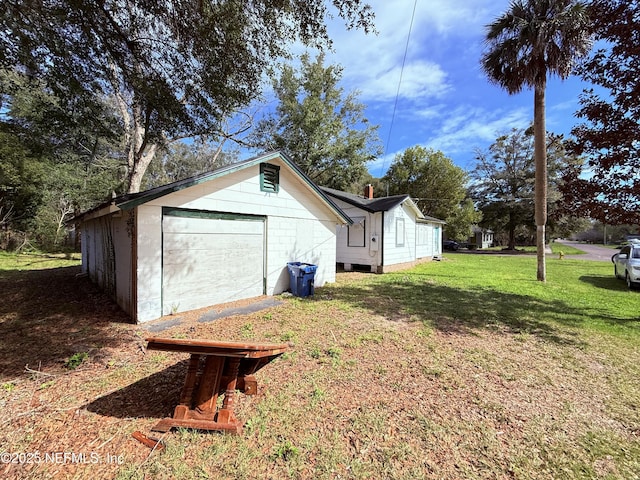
(532, 39)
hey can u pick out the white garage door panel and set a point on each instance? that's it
(210, 225)
(214, 248)
(207, 261)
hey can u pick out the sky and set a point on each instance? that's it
(445, 101)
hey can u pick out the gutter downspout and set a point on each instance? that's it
(134, 266)
(381, 248)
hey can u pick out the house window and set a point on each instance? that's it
(269, 178)
(422, 234)
(399, 232)
(355, 233)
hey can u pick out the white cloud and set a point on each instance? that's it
(468, 128)
(444, 102)
(427, 112)
(421, 79)
(442, 17)
(459, 132)
(372, 63)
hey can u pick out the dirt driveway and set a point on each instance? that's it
(592, 252)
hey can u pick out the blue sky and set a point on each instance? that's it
(445, 102)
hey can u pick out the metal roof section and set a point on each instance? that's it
(428, 219)
(132, 200)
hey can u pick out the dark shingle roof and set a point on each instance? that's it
(381, 204)
(372, 205)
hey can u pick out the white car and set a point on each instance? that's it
(626, 264)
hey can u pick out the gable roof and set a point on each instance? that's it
(131, 200)
(382, 204)
(371, 205)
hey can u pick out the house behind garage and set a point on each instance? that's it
(387, 234)
(213, 238)
(481, 237)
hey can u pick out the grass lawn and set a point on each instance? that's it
(463, 368)
(12, 262)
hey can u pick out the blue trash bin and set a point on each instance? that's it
(301, 278)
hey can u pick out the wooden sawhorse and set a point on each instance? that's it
(215, 368)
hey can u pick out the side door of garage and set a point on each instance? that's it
(210, 258)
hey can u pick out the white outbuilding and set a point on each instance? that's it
(214, 238)
(387, 233)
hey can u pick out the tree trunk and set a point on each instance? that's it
(135, 119)
(540, 156)
(140, 150)
(139, 167)
(512, 232)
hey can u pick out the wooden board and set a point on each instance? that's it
(213, 347)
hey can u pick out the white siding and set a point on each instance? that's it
(239, 192)
(149, 262)
(428, 240)
(369, 254)
(399, 246)
(299, 227)
(308, 241)
(420, 240)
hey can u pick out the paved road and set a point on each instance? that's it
(593, 252)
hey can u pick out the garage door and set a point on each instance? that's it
(210, 258)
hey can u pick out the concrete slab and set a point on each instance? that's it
(212, 315)
(228, 312)
(163, 325)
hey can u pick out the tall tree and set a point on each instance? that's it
(461, 220)
(175, 69)
(607, 187)
(503, 183)
(433, 180)
(87, 132)
(533, 39)
(183, 160)
(54, 163)
(21, 188)
(322, 129)
(378, 184)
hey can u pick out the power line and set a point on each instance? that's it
(395, 104)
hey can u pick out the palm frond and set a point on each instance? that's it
(534, 38)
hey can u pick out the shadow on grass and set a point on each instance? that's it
(48, 315)
(408, 296)
(154, 396)
(606, 283)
